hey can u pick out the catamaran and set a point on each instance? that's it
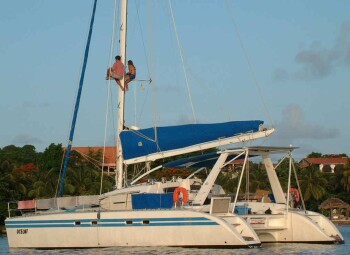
(274, 220)
(148, 214)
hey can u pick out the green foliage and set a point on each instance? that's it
(20, 155)
(169, 172)
(313, 184)
(228, 182)
(314, 155)
(26, 174)
(257, 179)
(51, 157)
(5, 192)
(319, 155)
(345, 181)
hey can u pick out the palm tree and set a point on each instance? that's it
(44, 183)
(258, 179)
(17, 181)
(345, 181)
(85, 180)
(313, 184)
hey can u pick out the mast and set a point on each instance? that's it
(121, 96)
(77, 102)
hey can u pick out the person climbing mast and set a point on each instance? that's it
(131, 75)
(116, 72)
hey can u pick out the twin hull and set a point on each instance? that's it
(183, 228)
(292, 226)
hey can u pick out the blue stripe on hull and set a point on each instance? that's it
(136, 222)
(116, 225)
(105, 220)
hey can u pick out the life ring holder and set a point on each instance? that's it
(177, 192)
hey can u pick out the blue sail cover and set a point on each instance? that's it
(205, 160)
(142, 142)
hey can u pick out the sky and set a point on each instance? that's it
(284, 62)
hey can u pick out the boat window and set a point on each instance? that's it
(77, 223)
(169, 190)
(128, 222)
(145, 222)
(94, 222)
(195, 187)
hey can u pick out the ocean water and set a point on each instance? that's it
(266, 249)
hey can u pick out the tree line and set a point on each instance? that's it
(27, 174)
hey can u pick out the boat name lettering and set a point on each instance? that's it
(22, 231)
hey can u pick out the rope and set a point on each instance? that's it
(90, 159)
(137, 4)
(183, 63)
(135, 107)
(143, 106)
(143, 136)
(152, 71)
(143, 40)
(299, 189)
(59, 175)
(108, 94)
(251, 69)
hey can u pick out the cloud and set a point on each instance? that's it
(23, 139)
(294, 126)
(317, 62)
(280, 75)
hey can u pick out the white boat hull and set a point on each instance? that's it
(292, 226)
(185, 228)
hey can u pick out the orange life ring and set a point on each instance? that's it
(177, 192)
(296, 193)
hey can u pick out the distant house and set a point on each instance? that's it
(110, 156)
(326, 165)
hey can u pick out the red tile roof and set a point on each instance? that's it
(110, 153)
(327, 161)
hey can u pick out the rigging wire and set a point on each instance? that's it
(143, 40)
(299, 188)
(108, 94)
(135, 106)
(143, 106)
(59, 175)
(251, 69)
(207, 89)
(152, 71)
(147, 64)
(183, 62)
(91, 160)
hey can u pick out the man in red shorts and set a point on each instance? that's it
(117, 71)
